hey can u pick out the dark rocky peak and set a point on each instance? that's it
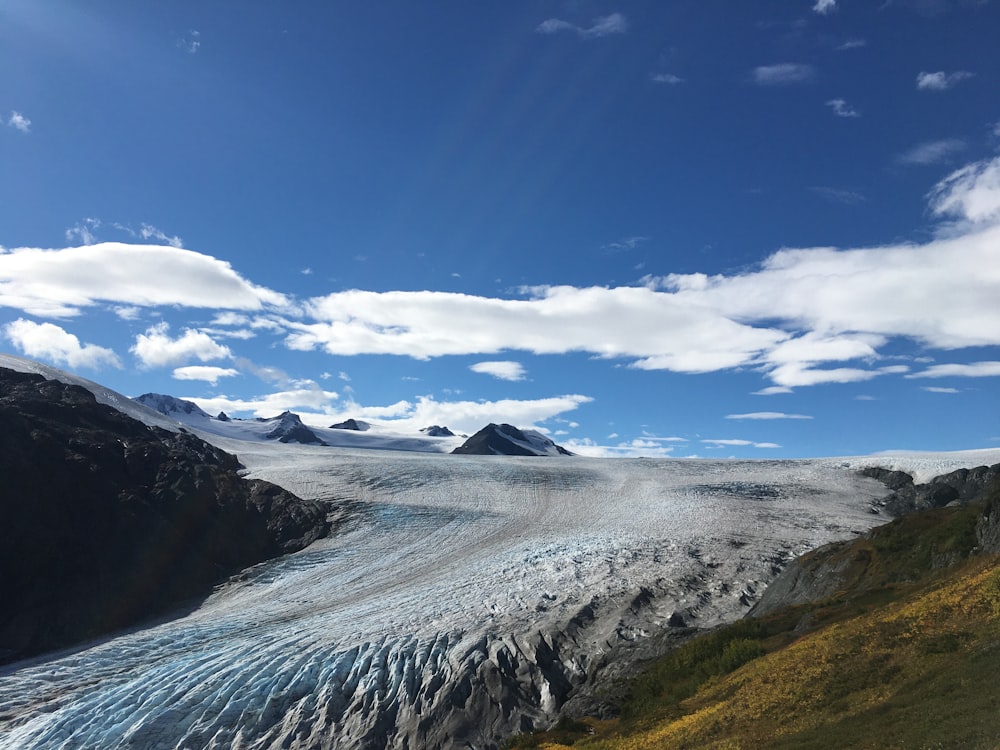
(171, 406)
(290, 429)
(351, 424)
(223, 417)
(437, 431)
(508, 440)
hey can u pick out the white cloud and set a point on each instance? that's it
(767, 415)
(155, 348)
(656, 329)
(852, 44)
(626, 243)
(735, 442)
(128, 312)
(83, 231)
(615, 23)
(941, 81)
(504, 370)
(149, 232)
(204, 372)
(191, 42)
(971, 193)
(973, 370)
(773, 390)
(936, 389)
(931, 152)
(57, 283)
(50, 342)
(783, 74)
(668, 78)
(825, 6)
(19, 122)
(803, 317)
(321, 408)
(841, 108)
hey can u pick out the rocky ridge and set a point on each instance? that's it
(108, 521)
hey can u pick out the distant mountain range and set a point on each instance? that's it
(492, 440)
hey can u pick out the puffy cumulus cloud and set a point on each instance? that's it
(657, 329)
(58, 283)
(783, 74)
(315, 405)
(824, 7)
(47, 341)
(19, 122)
(972, 370)
(841, 108)
(941, 81)
(155, 347)
(615, 23)
(206, 373)
(504, 370)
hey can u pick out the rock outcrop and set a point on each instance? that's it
(107, 521)
(868, 562)
(507, 440)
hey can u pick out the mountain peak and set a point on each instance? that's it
(508, 440)
(170, 405)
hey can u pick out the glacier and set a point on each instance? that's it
(461, 599)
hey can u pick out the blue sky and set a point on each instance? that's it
(761, 229)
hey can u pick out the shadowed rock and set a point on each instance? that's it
(107, 521)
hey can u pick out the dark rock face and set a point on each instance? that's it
(437, 431)
(106, 521)
(169, 405)
(960, 486)
(507, 440)
(351, 424)
(289, 429)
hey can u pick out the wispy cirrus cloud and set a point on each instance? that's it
(841, 108)
(667, 78)
(615, 23)
(737, 443)
(938, 389)
(973, 370)
(783, 74)
(51, 342)
(768, 415)
(941, 81)
(931, 152)
(503, 370)
(852, 44)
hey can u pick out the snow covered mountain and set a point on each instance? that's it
(171, 406)
(507, 440)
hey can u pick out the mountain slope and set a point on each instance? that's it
(898, 647)
(507, 440)
(107, 521)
